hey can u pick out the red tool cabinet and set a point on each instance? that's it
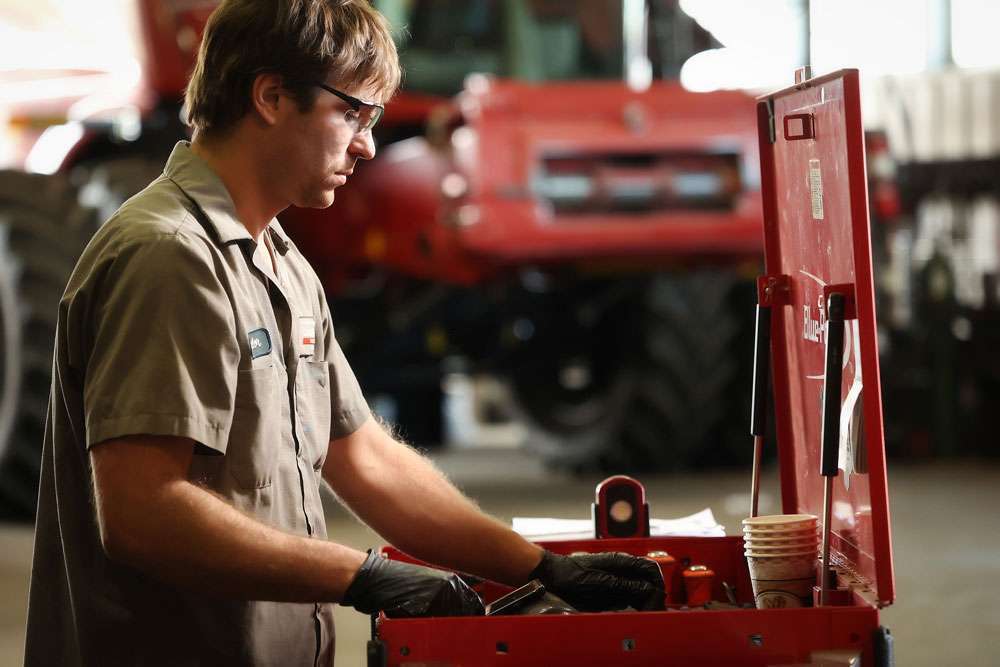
(816, 245)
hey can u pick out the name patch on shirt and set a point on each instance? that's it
(260, 343)
(307, 336)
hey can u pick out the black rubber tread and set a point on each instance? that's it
(46, 223)
(106, 185)
(567, 429)
(11, 334)
(53, 198)
(691, 375)
(44, 230)
(679, 400)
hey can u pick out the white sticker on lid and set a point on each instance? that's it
(816, 189)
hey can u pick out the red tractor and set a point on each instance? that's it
(536, 213)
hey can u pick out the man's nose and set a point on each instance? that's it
(363, 145)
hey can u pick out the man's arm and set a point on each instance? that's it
(405, 499)
(153, 519)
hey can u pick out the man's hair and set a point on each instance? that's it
(303, 41)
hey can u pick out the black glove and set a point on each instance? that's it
(403, 590)
(603, 581)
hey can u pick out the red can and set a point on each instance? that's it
(667, 565)
(698, 580)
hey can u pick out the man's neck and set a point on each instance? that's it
(234, 163)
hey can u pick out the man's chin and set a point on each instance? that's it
(319, 200)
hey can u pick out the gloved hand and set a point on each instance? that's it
(403, 590)
(603, 581)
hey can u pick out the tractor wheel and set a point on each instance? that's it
(572, 381)
(105, 185)
(45, 222)
(672, 387)
(691, 398)
(43, 228)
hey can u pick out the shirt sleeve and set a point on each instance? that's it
(348, 408)
(165, 355)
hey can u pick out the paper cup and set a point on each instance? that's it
(787, 546)
(785, 581)
(780, 522)
(783, 553)
(794, 538)
(796, 528)
(778, 548)
(787, 550)
(779, 519)
(780, 534)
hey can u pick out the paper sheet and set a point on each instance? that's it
(699, 524)
(850, 410)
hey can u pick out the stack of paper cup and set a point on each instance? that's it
(781, 553)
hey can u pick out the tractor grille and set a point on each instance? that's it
(638, 183)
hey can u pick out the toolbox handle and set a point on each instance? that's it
(830, 444)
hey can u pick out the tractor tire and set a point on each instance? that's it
(678, 396)
(106, 185)
(691, 400)
(45, 222)
(43, 228)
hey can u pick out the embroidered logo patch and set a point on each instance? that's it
(260, 343)
(307, 335)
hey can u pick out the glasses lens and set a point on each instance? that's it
(369, 116)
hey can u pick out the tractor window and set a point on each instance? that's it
(442, 41)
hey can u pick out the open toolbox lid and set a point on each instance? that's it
(816, 242)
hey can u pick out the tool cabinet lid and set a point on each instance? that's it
(816, 241)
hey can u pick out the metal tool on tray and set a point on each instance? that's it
(830, 443)
(758, 407)
(530, 599)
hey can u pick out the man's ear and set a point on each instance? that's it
(266, 98)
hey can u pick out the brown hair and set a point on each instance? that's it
(303, 41)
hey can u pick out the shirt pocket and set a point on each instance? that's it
(312, 397)
(255, 436)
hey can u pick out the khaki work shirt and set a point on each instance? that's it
(173, 323)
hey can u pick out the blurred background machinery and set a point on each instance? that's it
(559, 234)
(550, 208)
(539, 228)
(936, 174)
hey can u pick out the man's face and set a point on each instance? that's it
(320, 148)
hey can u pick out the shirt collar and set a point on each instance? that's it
(201, 184)
(278, 236)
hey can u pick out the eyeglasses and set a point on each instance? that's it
(363, 115)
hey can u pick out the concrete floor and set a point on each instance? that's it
(945, 530)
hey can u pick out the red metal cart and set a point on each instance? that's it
(817, 310)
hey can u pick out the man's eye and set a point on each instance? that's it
(351, 114)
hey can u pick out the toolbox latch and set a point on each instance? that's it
(774, 290)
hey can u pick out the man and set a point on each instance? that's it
(199, 393)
